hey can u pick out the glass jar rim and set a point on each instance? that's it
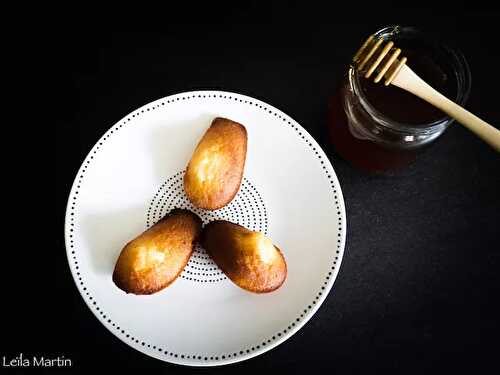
(459, 65)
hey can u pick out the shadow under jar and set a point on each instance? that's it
(381, 128)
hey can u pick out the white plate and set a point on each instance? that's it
(133, 176)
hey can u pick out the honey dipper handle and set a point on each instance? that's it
(409, 81)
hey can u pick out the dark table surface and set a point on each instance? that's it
(419, 282)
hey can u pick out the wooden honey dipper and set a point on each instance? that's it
(386, 62)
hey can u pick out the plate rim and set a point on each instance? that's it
(315, 305)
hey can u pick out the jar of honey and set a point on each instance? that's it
(382, 128)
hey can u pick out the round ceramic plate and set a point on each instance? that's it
(133, 176)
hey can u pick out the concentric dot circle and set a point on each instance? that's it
(247, 209)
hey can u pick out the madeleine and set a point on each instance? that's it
(248, 258)
(213, 175)
(155, 258)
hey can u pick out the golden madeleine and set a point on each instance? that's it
(155, 258)
(248, 258)
(213, 175)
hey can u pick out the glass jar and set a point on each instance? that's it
(374, 140)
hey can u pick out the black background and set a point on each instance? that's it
(419, 283)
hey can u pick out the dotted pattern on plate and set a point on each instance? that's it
(247, 209)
